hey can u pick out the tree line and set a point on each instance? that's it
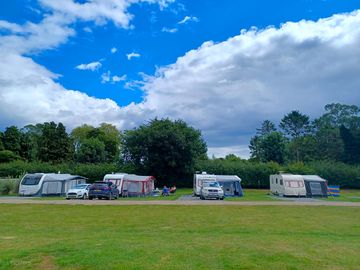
(163, 148)
(334, 136)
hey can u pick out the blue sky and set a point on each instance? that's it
(165, 38)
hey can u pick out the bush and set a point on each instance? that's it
(9, 186)
(8, 156)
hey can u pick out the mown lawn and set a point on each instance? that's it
(178, 237)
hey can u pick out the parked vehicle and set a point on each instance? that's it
(287, 185)
(211, 190)
(78, 192)
(48, 184)
(199, 179)
(103, 190)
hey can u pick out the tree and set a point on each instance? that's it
(91, 151)
(106, 133)
(267, 127)
(11, 140)
(351, 141)
(110, 136)
(272, 147)
(1, 141)
(30, 139)
(165, 149)
(338, 115)
(54, 143)
(329, 144)
(301, 149)
(8, 156)
(295, 124)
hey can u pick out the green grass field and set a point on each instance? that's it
(178, 237)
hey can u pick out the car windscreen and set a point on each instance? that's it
(31, 180)
(80, 186)
(212, 184)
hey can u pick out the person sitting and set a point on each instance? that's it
(173, 189)
(165, 191)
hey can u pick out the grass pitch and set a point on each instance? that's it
(178, 237)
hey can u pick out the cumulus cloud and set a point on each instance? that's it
(188, 19)
(169, 30)
(91, 66)
(98, 10)
(29, 92)
(225, 89)
(132, 55)
(113, 50)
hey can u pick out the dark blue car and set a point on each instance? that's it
(103, 190)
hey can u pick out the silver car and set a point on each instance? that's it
(211, 190)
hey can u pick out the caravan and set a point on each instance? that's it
(287, 185)
(131, 185)
(48, 184)
(199, 179)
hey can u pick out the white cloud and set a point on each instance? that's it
(99, 11)
(107, 78)
(87, 29)
(188, 19)
(118, 78)
(225, 89)
(113, 50)
(91, 66)
(169, 30)
(132, 55)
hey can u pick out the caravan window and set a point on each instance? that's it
(281, 182)
(294, 184)
(276, 180)
(31, 180)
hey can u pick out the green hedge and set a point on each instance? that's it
(94, 172)
(253, 174)
(256, 175)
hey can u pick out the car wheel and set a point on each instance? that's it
(202, 197)
(110, 197)
(90, 198)
(68, 198)
(85, 196)
(222, 198)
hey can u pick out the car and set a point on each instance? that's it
(103, 190)
(78, 192)
(211, 190)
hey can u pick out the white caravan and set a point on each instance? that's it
(131, 184)
(48, 184)
(287, 185)
(199, 179)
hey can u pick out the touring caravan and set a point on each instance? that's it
(48, 184)
(315, 186)
(131, 184)
(287, 185)
(231, 184)
(199, 179)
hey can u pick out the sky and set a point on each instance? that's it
(221, 66)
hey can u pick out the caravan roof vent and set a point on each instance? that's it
(203, 173)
